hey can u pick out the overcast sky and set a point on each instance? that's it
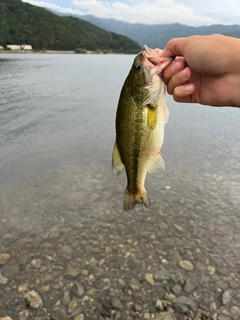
(190, 12)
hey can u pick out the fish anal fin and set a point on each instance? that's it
(157, 164)
(131, 199)
(117, 164)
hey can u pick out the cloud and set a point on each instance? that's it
(144, 11)
(134, 11)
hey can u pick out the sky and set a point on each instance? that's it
(189, 12)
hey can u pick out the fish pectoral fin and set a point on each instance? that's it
(117, 164)
(166, 114)
(157, 164)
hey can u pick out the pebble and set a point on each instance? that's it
(78, 289)
(72, 305)
(59, 314)
(176, 289)
(79, 317)
(33, 300)
(66, 298)
(162, 275)
(36, 263)
(6, 318)
(187, 302)
(149, 278)
(190, 285)
(11, 270)
(73, 270)
(3, 280)
(22, 287)
(159, 305)
(226, 297)
(115, 303)
(187, 265)
(235, 312)
(4, 257)
(23, 315)
(211, 270)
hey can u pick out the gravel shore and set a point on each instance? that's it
(165, 263)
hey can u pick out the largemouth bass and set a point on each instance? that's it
(140, 119)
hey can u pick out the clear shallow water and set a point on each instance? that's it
(57, 116)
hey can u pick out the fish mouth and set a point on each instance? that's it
(154, 57)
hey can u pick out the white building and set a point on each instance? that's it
(26, 47)
(14, 47)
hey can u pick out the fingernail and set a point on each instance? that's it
(176, 66)
(183, 74)
(189, 88)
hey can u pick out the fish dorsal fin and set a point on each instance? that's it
(166, 114)
(117, 164)
(157, 164)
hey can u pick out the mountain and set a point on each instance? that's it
(22, 23)
(158, 35)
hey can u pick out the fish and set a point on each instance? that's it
(140, 119)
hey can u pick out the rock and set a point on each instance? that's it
(79, 317)
(115, 303)
(211, 270)
(4, 257)
(33, 300)
(78, 289)
(179, 307)
(23, 315)
(66, 298)
(3, 280)
(222, 285)
(159, 305)
(77, 311)
(60, 314)
(36, 263)
(176, 289)
(187, 265)
(166, 315)
(47, 279)
(90, 314)
(72, 305)
(134, 284)
(11, 270)
(149, 278)
(190, 285)
(66, 251)
(226, 297)
(73, 270)
(178, 228)
(235, 312)
(22, 287)
(91, 292)
(162, 275)
(187, 302)
(6, 318)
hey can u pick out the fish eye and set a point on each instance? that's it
(138, 66)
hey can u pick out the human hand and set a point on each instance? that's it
(206, 70)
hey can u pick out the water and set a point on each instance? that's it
(57, 116)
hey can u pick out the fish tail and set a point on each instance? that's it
(133, 198)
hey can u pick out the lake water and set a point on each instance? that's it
(57, 116)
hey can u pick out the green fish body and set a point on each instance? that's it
(140, 120)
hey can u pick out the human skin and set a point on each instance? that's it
(206, 70)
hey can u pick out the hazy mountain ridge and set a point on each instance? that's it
(22, 23)
(158, 35)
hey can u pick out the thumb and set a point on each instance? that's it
(175, 47)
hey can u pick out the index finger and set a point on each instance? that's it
(175, 47)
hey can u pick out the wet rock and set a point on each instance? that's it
(149, 278)
(235, 312)
(60, 314)
(179, 307)
(72, 305)
(73, 270)
(23, 315)
(36, 263)
(4, 257)
(77, 311)
(33, 300)
(187, 302)
(190, 285)
(79, 317)
(187, 265)
(176, 289)
(78, 289)
(11, 270)
(3, 280)
(90, 314)
(162, 275)
(226, 297)
(22, 287)
(115, 303)
(66, 298)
